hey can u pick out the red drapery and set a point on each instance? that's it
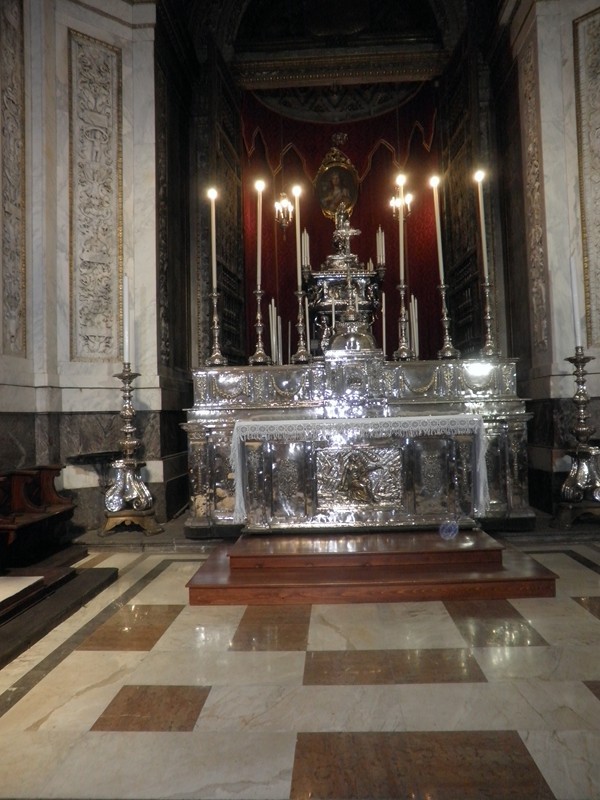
(285, 152)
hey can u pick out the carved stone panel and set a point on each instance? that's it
(587, 76)
(96, 217)
(12, 179)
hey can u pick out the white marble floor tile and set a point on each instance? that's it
(209, 668)
(302, 708)
(29, 759)
(202, 628)
(501, 705)
(577, 663)
(211, 766)
(170, 586)
(381, 626)
(568, 760)
(73, 695)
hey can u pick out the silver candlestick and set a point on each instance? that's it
(301, 356)
(128, 500)
(404, 351)
(259, 357)
(580, 492)
(489, 348)
(448, 350)
(217, 359)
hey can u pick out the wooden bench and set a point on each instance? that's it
(30, 508)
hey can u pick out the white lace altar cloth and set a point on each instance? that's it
(346, 430)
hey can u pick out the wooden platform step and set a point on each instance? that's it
(366, 568)
(408, 550)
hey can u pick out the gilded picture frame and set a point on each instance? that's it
(336, 182)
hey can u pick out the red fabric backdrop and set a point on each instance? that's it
(284, 152)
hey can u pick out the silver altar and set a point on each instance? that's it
(291, 483)
(351, 439)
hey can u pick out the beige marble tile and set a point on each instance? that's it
(209, 668)
(170, 586)
(569, 761)
(382, 626)
(200, 765)
(202, 628)
(74, 694)
(30, 758)
(573, 663)
(302, 708)
(561, 621)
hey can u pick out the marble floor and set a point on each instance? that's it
(139, 695)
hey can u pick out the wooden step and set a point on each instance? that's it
(408, 550)
(217, 583)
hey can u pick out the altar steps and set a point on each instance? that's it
(366, 568)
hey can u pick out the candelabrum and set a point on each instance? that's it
(128, 500)
(259, 357)
(301, 356)
(489, 348)
(580, 492)
(404, 351)
(217, 359)
(448, 350)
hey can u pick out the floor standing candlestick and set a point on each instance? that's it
(580, 492)
(128, 500)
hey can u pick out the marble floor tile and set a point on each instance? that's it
(226, 668)
(169, 588)
(153, 708)
(571, 663)
(499, 705)
(492, 623)
(203, 766)
(569, 761)
(591, 604)
(74, 694)
(132, 627)
(345, 667)
(202, 628)
(303, 708)
(444, 766)
(273, 628)
(11, 585)
(382, 626)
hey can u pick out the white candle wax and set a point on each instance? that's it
(333, 314)
(438, 228)
(296, 192)
(259, 185)
(126, 319)
(383, 323)
(479, 178)
(307, 320)
(212, 194)
(575, 301)
(382, 247)
(401, 232)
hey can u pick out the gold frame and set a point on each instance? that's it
(336, 168)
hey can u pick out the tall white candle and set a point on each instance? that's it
(212, 196)
(575, 301)
(260, 187)
(434, 183)
(383, 324)
(307, 320)
(297, 191)
(333, 314)
(401, 180)
(126, 319)
(479, 176)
